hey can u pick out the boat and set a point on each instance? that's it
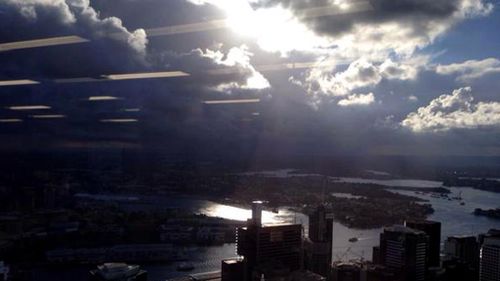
(353, 239)
(185, 266)
(462, 203)
(117, 271)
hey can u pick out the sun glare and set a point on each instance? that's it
(275, 29)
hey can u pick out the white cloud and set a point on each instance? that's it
(360, 73)
(413, 98)
(455, 111)
(471, 69)
(239, 58)
(357, 99)
(80, 14)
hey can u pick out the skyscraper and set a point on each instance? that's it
(404, 251)
(463, 248)
(269, 249)
(490, 257)
(461, 258)
(433, 230)
(319, 245)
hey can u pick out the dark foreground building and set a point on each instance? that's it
(433, 230)
(268, 250)
(318, 247)
(490, 256)
(404, 251)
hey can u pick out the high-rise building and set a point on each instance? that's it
(269, 247)
(319, 246)
(461, 258)
(463, 248)
(490, 257)
(376, 255)
(404, 251)
(321, 225)
(433, 230)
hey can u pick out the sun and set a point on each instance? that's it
(274, 29)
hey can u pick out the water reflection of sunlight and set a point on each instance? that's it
(239, 214)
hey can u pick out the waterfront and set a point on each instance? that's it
(455, 218)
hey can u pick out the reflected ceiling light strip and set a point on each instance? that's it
(102, 98)
(351, 8)
(29, 107)
(355, 7)
(146, 75)
(45, 42)
(12, 120)
(48, 116)
(119, 120)
(132, 109)
(18, 82)
(76, 80)
(301, 65)
(240, 101)
(186, 28)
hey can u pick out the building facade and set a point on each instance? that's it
(404, 251)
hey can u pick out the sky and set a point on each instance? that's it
(322, 77)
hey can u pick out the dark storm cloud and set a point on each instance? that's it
(415, 13)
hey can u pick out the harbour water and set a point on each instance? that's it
(456, 219)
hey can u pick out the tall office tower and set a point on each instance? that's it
(463, 248)
(321, 225)
(269, 250)
(319, 245)
(404, 251)
(490, 257)
(433, 230)
(461, 259)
